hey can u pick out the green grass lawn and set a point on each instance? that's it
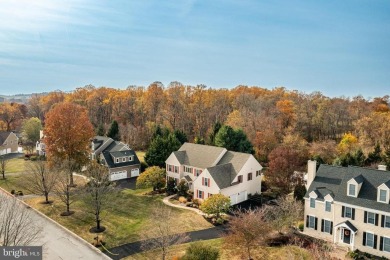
(141, 155)
(285, 252)
(128, 216)
(13, 182)
(16, 165)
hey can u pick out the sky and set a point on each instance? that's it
(340, 48)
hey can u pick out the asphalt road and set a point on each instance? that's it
(135, 247)
(59, 243)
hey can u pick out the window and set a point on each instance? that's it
(197, 172)
(258, 173)
(328, 206)
(352, 190)
(371, 218)
(123, 159)
(187, 169)
(239, 179)
(327, 226)
(312, 222)
(130, 158)
(200, 194)
(206, 182)
(312, 202)
(382, 195)
(369, 239)
(348, 212)
(176, 169)
(386, 244)
(249, 176)
(117, 160)
(386, 221)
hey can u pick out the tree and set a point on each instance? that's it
(283, 162)
(40, 179)
(68, 132)
(200, 251)
(10, 113)
(214, 132)
(284, 214)
(100, 130)
(182, 188)
(99, 191)
(3, 165)
(233, 140)
(247, 230)
(64, 190)
(374, 156)
(113, 132)
(31, 132)
(348, 144)
(215, 205)
(17, 226)
(160, 148)
(152, 177)
(162, 235)
(181, 136)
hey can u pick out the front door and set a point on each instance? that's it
(346, 236)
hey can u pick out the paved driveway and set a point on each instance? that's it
(59, 243)
(126, 183)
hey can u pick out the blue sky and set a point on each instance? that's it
(336, 47)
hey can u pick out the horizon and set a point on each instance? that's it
(336, 48)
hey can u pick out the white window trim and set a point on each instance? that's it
(206, 181)
(369, 212)
(314, 222)
(330, 226)
(373, 239)
(349, 190)
(312, 199)
(379, 195)
(123, 159)
(327, 201)
(345, 212)
(383, 245)
(384, 224)
(117, 160)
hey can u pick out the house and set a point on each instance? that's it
(211, 170)
(349, 206)
(121, 161)
(40, 145)
(8, 143)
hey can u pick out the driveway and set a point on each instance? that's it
(9, 156)
(59, 243)
(122, 251)
(126, 183)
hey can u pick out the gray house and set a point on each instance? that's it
(349, 206)
(121, 161)
(8, 143)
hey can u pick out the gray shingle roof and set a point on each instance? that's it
(335, 178)
(236, 159)
(223, 175)
(359, 179)
(4, 136)
(349, 225)
(99, 140)
(118, 149)
(198, 155)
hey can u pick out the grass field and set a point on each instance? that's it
(141, 155)
(128, 216)
(277, 253)
(16, 165)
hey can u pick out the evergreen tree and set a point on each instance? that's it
(374, 156)
(214, 132)
(113, 132)
(233, 140)
(181, 136)
(100, 130)
(359, 158)
(160, 148)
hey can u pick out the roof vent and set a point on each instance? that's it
(382, 167)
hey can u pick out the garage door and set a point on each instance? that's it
(238, 197)
(8, 150)
(3, 151)
(118, 175)
(134, 172)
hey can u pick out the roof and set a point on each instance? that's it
(223, 175)
(4, 136)
(198, 155)
(110, 162)
(116, 150)
(359, 179)
(335, 178)
(99, 140)
(236, 159)
(348, 225)
(188, 178)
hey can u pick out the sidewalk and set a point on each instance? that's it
(167, 202)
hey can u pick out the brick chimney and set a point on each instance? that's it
(311, 172)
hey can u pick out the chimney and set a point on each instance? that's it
(311, 172)
(382, 167)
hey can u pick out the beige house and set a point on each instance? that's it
(211, 170)
(121, 161)
(8, 143)
(349, 206)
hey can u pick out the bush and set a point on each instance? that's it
(171, 186)
(199, 251)
(33, 158)
(13, 192)
(197, 202)
(20, 193)
(182, 188)
(301, 226)
(182, 200)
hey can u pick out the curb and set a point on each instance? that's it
(59, 225)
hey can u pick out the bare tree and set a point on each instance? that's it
(17, 226)
(3, 165)
(162, 234)
(285, 214)
(40, 179)
(247, 230)
(64, 190)
(99, 191)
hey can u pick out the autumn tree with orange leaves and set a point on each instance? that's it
(68, 132)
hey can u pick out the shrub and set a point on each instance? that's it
(33, 158)
(20, 193)
(13, 192)
(182, 188)
(171, 186)
(182, 200)
(301, 226)
(197, 202)
(199, 251)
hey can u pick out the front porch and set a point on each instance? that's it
(344, 235)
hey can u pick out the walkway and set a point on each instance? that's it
(167, 202)
(135, 247)
(59, 242)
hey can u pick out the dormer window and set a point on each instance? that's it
(117, 160)
(382, 195)
(123, 159)
(130, 159)
(352, 190)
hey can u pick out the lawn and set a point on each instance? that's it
(13, 182)
(141, 155)
(126, 219)
(286, 252)
(15, 165)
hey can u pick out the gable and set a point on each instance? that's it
(172, 160)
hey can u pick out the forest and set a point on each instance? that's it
(334, 130)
